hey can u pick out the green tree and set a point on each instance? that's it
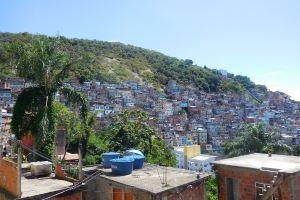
(255, 139)
(231, 86)
(96, 146)
(116, 62)
(296, 150)
(42, 63)
(245, 81)
(75, 128)
(131, 131)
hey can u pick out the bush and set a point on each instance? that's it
(212, 188)
(95, 147)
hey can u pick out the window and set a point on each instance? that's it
(232, 189)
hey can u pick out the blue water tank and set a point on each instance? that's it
(122, 166)
(138, 161)
(106, 157)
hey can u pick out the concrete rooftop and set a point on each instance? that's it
(149, 178)
(282, 163)
(39, 186)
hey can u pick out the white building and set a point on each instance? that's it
(179, 153)
(201, 163)
(184, 153)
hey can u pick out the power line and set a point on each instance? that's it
(33, 151)
(79, 184)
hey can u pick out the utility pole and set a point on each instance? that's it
(19, 169)
(1, 150)
(80, 174)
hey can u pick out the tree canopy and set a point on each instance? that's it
(114, 62)
(255, 139)
(43, 63)
(130, 131)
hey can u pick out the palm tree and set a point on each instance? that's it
(44, 64)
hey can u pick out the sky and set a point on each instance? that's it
(256, 38)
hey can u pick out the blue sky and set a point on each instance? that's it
(257, 38)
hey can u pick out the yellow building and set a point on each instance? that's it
(190, 152)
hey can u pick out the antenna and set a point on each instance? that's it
(166, 182)
(165, 176)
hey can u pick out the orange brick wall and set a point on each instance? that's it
(248, 177)
(59, 173)
(9, 177)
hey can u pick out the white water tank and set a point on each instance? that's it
(40, 168)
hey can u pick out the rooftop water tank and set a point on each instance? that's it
(122, 166)
(40, 168)
(106, 157)
(138, 161)
(134, 151)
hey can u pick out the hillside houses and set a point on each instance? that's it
(185, 115)
(182, 115)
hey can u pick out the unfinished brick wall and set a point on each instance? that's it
(296, 186)
(192, 192)
(9, 177)
(72, 196)
(60, 174)
(246, 182)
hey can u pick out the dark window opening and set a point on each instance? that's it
(232, 189)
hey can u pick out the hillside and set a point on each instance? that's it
(113, 62)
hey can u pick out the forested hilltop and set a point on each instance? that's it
(114, 62)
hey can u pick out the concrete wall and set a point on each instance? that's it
(9, 177)
(194, 192)
(104, 190)
(290, 188)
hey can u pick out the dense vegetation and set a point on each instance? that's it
(115, 62)
(256, 139)
(44, 64)
(130, 131)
